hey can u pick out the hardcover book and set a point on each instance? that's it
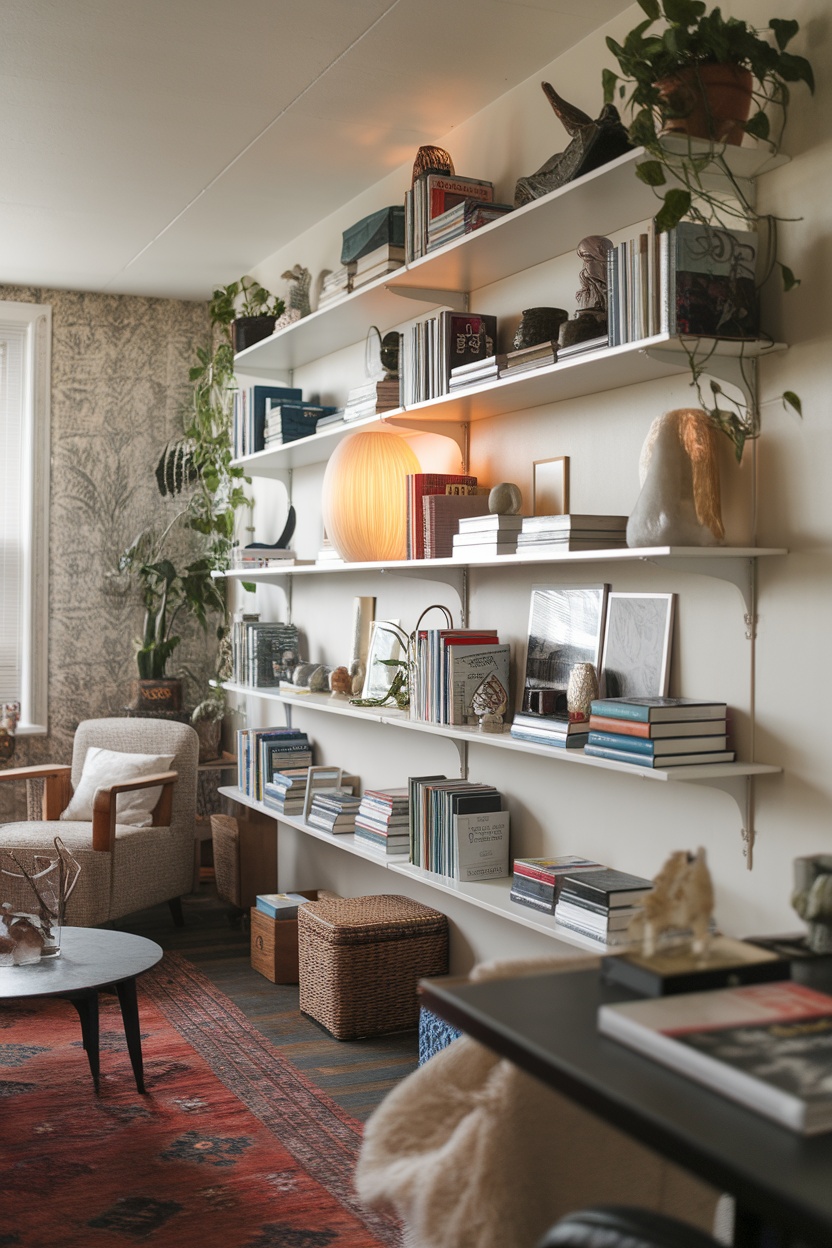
(658, 710)
(466, 668)
(634, 759)
(441, 516)
(421, 484)
(711, 289)
(608, 887)
(766, 1046)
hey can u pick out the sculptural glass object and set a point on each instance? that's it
(593, 144)
(678, 910)
(489, 703)
(812, 899)
(34, 889)
(679, 503)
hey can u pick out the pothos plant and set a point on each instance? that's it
(690, 39)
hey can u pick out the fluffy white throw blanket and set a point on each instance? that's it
(470, 1152)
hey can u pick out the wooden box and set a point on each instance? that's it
(274, 942)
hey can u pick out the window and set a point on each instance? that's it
(25, 344)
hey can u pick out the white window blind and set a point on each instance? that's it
(25, 331)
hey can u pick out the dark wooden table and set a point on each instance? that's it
(546, 1024)
(91, 960)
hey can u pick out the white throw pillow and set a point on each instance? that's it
(105, 767)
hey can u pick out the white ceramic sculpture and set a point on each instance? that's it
(679, 501)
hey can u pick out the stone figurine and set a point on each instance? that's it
(679, 503)
(300, 281)
(539, 325)
(594, 143)
(505, 499)
(681, 901)
(812, 899)
(590, 321)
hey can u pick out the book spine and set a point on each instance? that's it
(620, 756)
(620, 710)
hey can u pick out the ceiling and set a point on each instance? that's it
(160, 147)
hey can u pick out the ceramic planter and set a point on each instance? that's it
(707, 102)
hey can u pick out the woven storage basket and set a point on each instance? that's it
(361, 959)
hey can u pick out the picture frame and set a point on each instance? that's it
(385, 646)
(566, 626)
(638, 636)
(550, 486)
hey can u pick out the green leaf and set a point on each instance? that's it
(796, 69)
(651, 8)
(643, 129)
(676, 203)
(784, 31)
(651, 172)
(249, 587)
(789, 279)
(758, 126)
(608, 81)
(790, 399)
(684, 12)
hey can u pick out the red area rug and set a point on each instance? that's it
(231, 1147)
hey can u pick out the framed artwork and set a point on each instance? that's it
(566, 624)
(637, 644)
(550, 486)
(384, 647)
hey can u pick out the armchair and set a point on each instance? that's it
(124, 868)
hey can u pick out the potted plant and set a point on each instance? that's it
(167, 593)
(696, 85)
(249, 309)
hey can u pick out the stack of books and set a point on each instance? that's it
(450, 665)
(581, 348)
(485, 537)
(336, 284)
(432, 194)
(371, 398)
(263, 751)
(286, 791)
(336, 417)
(464, 375)
(420, 486)
(263, 652)
(441, 514)
(526, 359)
(286, 422)
(536, 881)
(458, 829)
(248, 417)
(552, 535)
(383, 820)
(601, 903)
(261, 556)
(376, 263)
(432, 349)
(561, 731)
(280, 906)
(334, 812)
(462, 218)
(659, 732)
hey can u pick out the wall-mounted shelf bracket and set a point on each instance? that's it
(454, 577)
(738, 572)
(456, 299)
(741, 790)
(445, 428)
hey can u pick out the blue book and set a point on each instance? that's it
(662, 760)
(655, 747)
(280, 905)
(658, 710)
(259, 397)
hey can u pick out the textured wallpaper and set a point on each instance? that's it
(119, 380)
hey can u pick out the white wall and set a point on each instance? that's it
(628, 822)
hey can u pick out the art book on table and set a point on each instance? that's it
(766, 1046)
(658, 710)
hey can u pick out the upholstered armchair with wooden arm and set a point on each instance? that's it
(125, 866)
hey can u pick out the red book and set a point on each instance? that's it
(444, 191)
(420, 484)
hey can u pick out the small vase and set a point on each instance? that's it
(707, 102)
(581, 688)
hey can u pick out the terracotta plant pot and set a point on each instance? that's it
(708, 102)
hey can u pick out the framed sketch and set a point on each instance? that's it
(637, 644)
(550, 486)
(384, 646)
(566, 624)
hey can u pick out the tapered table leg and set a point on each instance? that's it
(87, 1006)
(126, 989)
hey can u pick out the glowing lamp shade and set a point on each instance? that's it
(365, 496)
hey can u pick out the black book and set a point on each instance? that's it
(607, 887)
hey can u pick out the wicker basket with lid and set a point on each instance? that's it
(361, 959)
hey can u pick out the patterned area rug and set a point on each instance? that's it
(232, 1147)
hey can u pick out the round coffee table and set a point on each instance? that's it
(91, 960)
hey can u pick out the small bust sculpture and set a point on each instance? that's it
(812, 899)
(340, 682)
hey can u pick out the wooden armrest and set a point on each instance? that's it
(56, 790)
(105, 803)
(36, 772)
